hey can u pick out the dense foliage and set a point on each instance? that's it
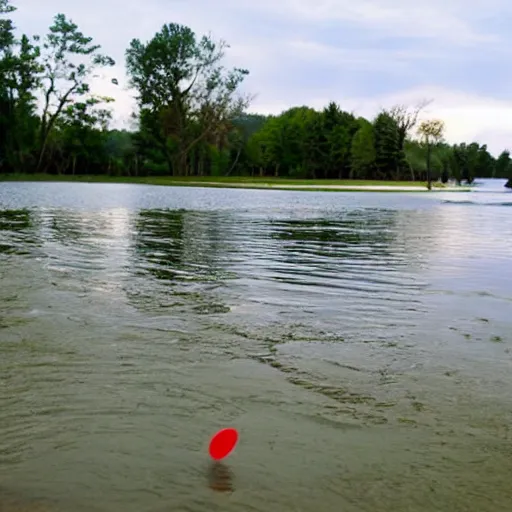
(192, 120)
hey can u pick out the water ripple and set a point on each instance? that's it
(372, 326)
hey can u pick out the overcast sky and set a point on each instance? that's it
(363, 54)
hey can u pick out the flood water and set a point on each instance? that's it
(360, 343)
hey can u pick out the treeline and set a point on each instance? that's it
(192, 119)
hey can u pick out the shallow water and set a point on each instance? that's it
(360, 342)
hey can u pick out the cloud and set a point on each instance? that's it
(362, 54)
(449, 21)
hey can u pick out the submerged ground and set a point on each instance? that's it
(359, 342)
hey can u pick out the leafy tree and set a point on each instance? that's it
(18, 68)
(363, 153)
(81, 126)
(387, 147)
(318, 153)
(289, 144)
(121, 152)
(23, 122)
(471, 161)
(340, 128)
(503, 166)
(184, 93)
(6, 67)
(458, 161)
(406, 119)
(242, 129)
(272, 145)
(6, 28)
(70, 60)
(431, 132)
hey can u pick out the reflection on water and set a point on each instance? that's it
(220, 477)
(19, 224)
(359, 342)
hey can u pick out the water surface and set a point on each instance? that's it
(360, 342)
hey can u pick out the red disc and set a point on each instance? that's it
(223, 443)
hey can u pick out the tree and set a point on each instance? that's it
(121, 153)
(6, 26)
(80, 124)
(7, 68)
(469, 154)
(184, 93)
(432, 132)
(485, 163)
(70, 60)
(338, 128)
(509, 182)
(503, 166)
(405, 119)
(7, 41)
(243, 127)
(273, 145)
(387, 147)
(18, 80)
(442, 158)
(363, 152)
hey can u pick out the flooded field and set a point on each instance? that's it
(360, 343)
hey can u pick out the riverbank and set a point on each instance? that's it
(245, 182)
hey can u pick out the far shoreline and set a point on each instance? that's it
(244, 182)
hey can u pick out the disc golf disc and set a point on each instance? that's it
(223, 443)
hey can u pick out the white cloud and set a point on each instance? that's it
(373, 59)
(450, 21)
